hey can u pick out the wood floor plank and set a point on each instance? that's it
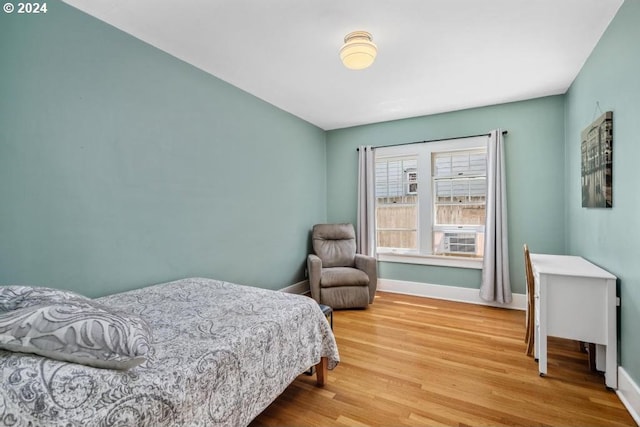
(412, 361)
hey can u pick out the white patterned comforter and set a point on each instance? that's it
(221, 354)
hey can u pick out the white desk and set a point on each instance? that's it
(575, 299)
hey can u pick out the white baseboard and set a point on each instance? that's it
(451, 293)
(297, 288)
(629, 393)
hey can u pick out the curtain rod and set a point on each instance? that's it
(504, 132)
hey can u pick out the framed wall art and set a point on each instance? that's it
(597, 162)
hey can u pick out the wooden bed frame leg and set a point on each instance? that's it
(322, 370)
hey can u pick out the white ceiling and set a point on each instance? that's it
(433, 55)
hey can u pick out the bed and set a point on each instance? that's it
(220, 353)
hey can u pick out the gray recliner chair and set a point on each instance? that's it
(338, 276)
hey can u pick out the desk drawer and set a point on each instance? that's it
(576, 309)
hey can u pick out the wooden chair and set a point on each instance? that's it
(530, 315)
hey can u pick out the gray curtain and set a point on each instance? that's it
(366, 228)
(495, 269)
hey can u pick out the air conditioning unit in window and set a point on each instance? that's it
(412, 180)
(459, 243)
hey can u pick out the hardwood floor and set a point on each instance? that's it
(419, 361)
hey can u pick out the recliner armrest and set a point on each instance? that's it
(369, 265)
(314, 268)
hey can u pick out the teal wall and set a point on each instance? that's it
(121, 166)
(610, 237)
(534, 161)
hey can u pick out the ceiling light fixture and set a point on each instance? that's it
(358, 51)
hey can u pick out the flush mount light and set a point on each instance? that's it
(358, 51)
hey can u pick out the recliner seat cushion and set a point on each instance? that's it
(343, 276)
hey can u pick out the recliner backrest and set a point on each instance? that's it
(335, 244)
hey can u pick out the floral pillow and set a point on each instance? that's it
(77, 331)
(15, 297)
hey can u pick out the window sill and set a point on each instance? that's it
(442, 261)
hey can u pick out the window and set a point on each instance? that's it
(459, 188)
(430, 199)
(397, 203)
